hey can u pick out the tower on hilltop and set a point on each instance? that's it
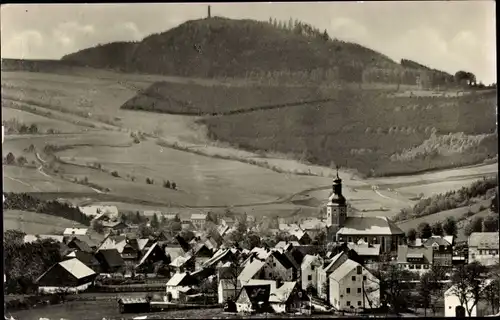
(336, 208)
(209, 12)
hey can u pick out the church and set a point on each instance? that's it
(372, 230)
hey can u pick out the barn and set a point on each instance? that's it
(69, 275)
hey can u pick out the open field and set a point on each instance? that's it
(36, 223)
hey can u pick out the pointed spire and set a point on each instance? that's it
(338, 178)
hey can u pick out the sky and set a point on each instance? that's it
(448, 35)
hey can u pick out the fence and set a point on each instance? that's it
(129, 288)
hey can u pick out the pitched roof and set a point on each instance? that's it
(309, 259)
(438, 240)
(220, 254)
(112, 257)
(174, 252)
(259, 282)
(142, 243)
(198, 216)
(177, 279)
(77, 268)
(335, 262)
(369, 226)
(257, 293)
(80, 245)
(283, 259)
(449, 239)
(180, 261)
(75, 231)
(146, 255)
(344, 269)
(297, 233)
(96, 210)
(405, 252)
(251, 269)
(282, 294)
(484, 240)
(285, 244)
(365, 249)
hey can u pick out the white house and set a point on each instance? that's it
(70, 275)
(92, 211)
(483, 247)
(285, 298)
(177, 283)
(199, 220)
(324, 273)
(452, 306)
(310, 267)
(352, 287)
(75, 231)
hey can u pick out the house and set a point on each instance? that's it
(254, 298)
(93, 211)
(75, 231)
(483, 247)
(115, 226)
(69, 275)
(133, 305)
(183, 264)
(373, 230)
(454, 309)
(86, 257)
(177, 283)
(324, 273)
(369, 253)
(442, 251)
(352, 287)
(310, 267)
(221, 256)
(302, 237)
(227, 221)
(415, 259)
(286, 298)
(251, 270)
(153, 255)
(199, 220)
(228, 285)
(201, 254)
(90, 242)
(131, 252)
(77, 244)
(173, 252)
(313, 226)
(171, 216)
(187, 225)
(110, 260)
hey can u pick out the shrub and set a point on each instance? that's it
(115, 174)
(149, 181)
(166, 184)
(10, 158)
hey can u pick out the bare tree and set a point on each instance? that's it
(467, 283)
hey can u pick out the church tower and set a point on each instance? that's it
(336, 209)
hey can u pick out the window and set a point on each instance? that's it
(412, 266)
(419, 266)
(348, 290)
(353, 278)
(364, 278)
(312, 268)
(359, 290)
(366, 239)
(349, 239)
(309, 277)
(359, 303)
(359, 269)
(348, 303)
(270, 274)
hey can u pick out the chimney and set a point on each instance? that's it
(251, 258)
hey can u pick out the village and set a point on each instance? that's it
(337, 264)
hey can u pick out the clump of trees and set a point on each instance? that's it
(115, 174)
(168, 185)
(14, 126)
(26, 202)
(150, 181)
(25, 262)
(448, 200)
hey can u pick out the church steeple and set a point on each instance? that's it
(336, 208)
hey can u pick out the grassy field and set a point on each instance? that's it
(36, 223)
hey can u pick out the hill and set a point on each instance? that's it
(220, 47)
(372, 132)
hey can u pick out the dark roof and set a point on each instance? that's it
(79, 244)
(258, 293)
(111, 257)
(283, 259)
(87, 258)
(405, 252)
(369, 226)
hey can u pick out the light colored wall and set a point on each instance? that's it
(243, 307)
(487, 259)
(80, 288)
(322, 278)
(307, 271)
(338, 289)
(452, 301)
(279, 307)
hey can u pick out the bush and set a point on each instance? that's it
(166, 184)
(22, 161)
(10, 158)
(149, 181)
(115, 174)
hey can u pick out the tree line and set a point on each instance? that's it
(26, 202)
(449, 200)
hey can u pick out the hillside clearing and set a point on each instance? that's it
(36, 223)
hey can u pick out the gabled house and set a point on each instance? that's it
(286, 298)
(110, 260)
(69, 276)
(115, 226)
(228, 284)
(483, 248)
(310, 267)
(87, 258)
(368, 253)
(254, 298)
(79, 245)
(201, 254)
(130, 252)
(177, 283)
(353, 287)
(302, 237)
(93, 211)
(91, 242)
(415, 259)
(75, 231)
(324, 273)
(155, 254)
(183, 264)
(199, 220)
(442, 251)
